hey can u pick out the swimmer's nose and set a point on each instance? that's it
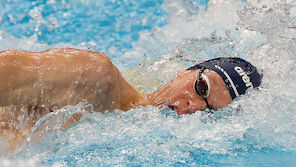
(188, 107)
(196, 105)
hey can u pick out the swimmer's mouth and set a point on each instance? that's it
(172, 107)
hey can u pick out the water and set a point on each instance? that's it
(258, 129)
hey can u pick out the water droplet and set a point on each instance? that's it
(99, 69)
(35, 85)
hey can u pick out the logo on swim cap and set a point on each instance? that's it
(237, 74)
(244, 76)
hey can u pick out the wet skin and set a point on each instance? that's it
(32, 84)
(59, 77)
(180, 95)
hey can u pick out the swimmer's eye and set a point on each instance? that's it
(201, 88)
(202, 85)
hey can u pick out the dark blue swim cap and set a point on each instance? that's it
(238, 74)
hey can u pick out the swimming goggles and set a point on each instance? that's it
(202, 86)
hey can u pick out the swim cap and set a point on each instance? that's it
(238, 74)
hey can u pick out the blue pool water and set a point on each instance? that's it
(101, 24)
(150, 41)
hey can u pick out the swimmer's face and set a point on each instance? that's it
(180, 95)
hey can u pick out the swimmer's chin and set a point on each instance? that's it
(165, 107)
(173, 108)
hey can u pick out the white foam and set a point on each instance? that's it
(17, 162)
(265, 119)
(31, 43)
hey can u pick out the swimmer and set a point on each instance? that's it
(42, 82)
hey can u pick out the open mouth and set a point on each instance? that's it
(172, 107)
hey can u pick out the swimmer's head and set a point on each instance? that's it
(237, 74)
(212, 84)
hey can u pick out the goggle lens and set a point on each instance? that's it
(202, 88)
(201, 85)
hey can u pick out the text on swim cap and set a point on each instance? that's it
(244, 76)
(229, 80)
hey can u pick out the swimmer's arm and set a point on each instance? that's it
(52, 76)
(14, 77)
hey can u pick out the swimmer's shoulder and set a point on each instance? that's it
(63, 54)
(96, 63)
(66, 59)
(73, 51)
(15, 57)
(80, 54)
(10, 52)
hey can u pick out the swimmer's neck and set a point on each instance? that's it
(125, 96)
(131, 98)
(156, 98)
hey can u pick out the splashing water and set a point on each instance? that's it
(258, 129)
